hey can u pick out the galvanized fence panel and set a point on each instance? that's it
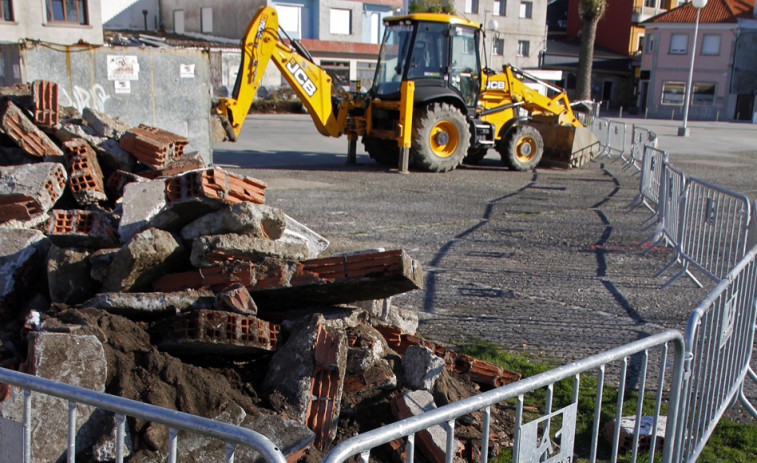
(651, 179)
(121, 407)
(533, 439)
(616, 138)
(640, 138)
(719, 341)
(601, 129)
(715, 229)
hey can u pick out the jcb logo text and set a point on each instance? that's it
(496, 84)
(301, 77)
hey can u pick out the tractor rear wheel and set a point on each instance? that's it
(382, 150)
(522, 148)
(440, 138)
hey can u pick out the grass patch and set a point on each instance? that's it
(731, 442)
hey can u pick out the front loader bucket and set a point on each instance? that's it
(567, 146)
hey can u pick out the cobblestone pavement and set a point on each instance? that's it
(545, 262)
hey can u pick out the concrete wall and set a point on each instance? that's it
(128, 14)
(512, 29)
(230, 17)
(169, 89)
(665, 66)
(31, 23)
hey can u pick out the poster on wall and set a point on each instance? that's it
(123, 67)
(187, 71)
(122, 86)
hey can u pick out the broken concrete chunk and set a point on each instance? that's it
(208, 251)
(68, 275)
(78, 360)
(30, 190)
(292, 438)
(113, 155)
(380, 375)
(382, 312)
(367, 347)
(255, 220)
(432, 442)
(308, 371)
(147, 255)
(141, 202)
(236, 298)
(296, 232)
(24, 133)
(149, 305)
(17, 248)
(421, 368)
(100, 261)
(105, 125)
(104, 450)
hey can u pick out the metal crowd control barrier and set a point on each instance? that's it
(719, 338)
(231, 435)
(651, 179)
(715, 228)
(533, 439)
(616, 139)
(600, 128)
(640, 138)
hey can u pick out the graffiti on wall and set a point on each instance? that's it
(94, 98)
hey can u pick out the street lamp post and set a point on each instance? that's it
(684, 130)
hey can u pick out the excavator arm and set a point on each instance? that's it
(261, 44)
(557, 105)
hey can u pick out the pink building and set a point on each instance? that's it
(724, 82)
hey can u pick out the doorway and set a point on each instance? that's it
(744, 107)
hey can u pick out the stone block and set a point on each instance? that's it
(73, 359)
(421, 368)
(25, 134)
(141, 203)
(147, 255)
(105, 125)
(308, 372)
(68, 275)
(17, 249)
(31, 189)
(432, 442)
(208, 251)
(151, 305)
(296, 232)
(247, 218)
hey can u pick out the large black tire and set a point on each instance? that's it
(475, 156)
(441, 138)
(522, 148)
(382, 150)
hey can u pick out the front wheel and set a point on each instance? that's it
(440, 138)
(522, 148)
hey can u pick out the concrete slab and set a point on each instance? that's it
(17, 247)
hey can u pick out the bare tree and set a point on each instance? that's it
(591, 12)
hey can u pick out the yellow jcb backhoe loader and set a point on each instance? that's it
(430, 96)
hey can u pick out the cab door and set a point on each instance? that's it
(465, 64)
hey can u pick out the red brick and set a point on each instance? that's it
(155, 147)
(236, 298)
(18, 207)
(79, 224)
(23, 131)
(324, 386)
(45, 97)
(118, 180)
(214, 183)
(84, 174)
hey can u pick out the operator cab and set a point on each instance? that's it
(438, 51)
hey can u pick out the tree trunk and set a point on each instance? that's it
(586, 60)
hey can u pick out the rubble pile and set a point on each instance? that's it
(129, 266)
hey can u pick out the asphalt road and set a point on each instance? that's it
(547, 262)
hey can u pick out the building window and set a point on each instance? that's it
(69, 11)
(523, 46)
(290, 19)
(650, 43)
(640, 46)
(525, 9)
(650, 3)
(673, 93)
(499, 46)
(703, 94)
(340, 21)
(679, 44)
(206, 20)
(499, 7)
(6, 10)
(471, 6)
(711, 44)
